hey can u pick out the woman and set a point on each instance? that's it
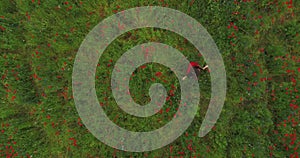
(196, 68)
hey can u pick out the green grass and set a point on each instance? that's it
(39, 42)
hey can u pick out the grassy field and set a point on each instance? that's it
(258, 40)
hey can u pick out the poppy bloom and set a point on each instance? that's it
(194, 66)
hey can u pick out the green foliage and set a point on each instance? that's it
(259, 43)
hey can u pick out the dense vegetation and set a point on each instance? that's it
(259, 42)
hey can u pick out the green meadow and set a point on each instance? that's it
(258, 40)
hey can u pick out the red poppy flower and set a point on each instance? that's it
(158, 74)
